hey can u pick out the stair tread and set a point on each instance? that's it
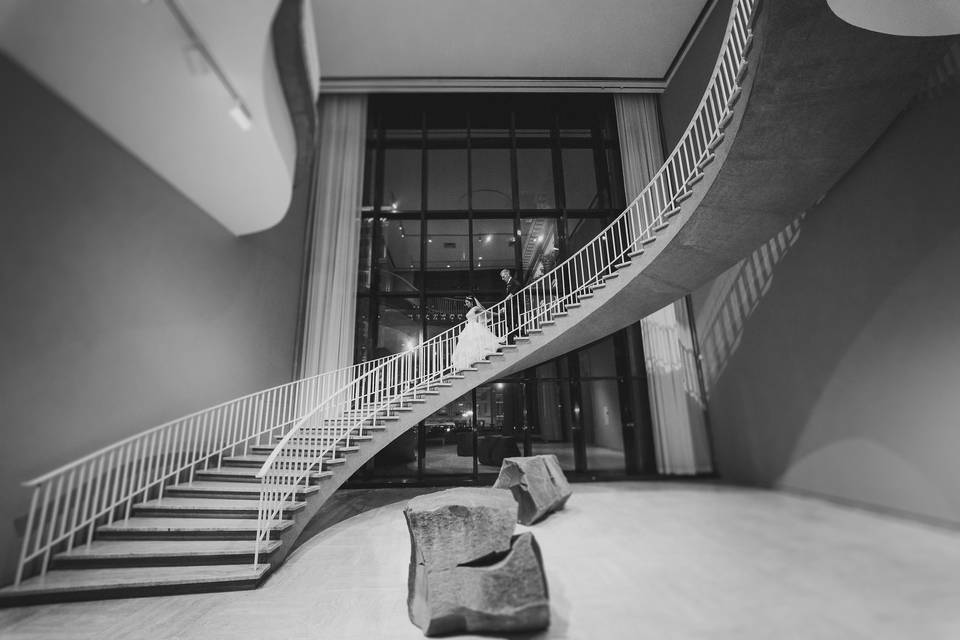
(175, 503)
(189, 524)
(230, 487)
(60, 581)
(252, 472)
(120, 549)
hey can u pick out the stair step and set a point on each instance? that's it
(715, 142)
(508, 347)
(574, 305)
(230, 490)
(187, 528)
(257, 460)
(262, 451)
(62, 585)
(115, 553)
(586, 296)
(671, 212)
(298, 444)
(707, 159)
(683, 196)
(623, 265)
(249, 474)
(660, 227)
(734, 96)
(561, 314)
(611, 276)
(742, 71)
(695, 179)
(180, 506)
(636, 254)
(649, 240)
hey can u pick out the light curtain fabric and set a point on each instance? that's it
(676, 400)
(332, 274)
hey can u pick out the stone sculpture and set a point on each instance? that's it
(468, 573)
(537, 484)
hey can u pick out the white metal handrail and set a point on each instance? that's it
(68, 503)
(396, 380)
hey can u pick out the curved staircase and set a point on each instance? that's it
(216, 500)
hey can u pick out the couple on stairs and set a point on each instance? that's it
(476, 341)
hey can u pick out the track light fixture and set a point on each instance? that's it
(238, 111)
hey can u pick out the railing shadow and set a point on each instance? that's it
(734, 297)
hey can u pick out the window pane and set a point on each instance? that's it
(401, 120)
(551, 433)
(444, 312)
(499, 424)
(491, 179)
(401, 180)
(490, 116)
(398, 258)
(449, 438)
(447, 179)
(368, 179)
(363, 350)
(535, 118)
(539, 246)
(603, 430)
(580, 179)
(447, 118)
(580, 231)
(398, 325)
(493, 250)
(366, 255)
(535, 176)
(448, 255)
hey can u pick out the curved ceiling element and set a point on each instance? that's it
(533, 39)
(130, 68)
(901, 17)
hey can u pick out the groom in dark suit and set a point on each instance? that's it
(514, 309)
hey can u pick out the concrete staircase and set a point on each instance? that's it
(198, 533)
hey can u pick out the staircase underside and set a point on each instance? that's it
(817, 94)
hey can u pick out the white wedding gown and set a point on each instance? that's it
(475, 342)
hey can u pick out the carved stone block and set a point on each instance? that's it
(537, 484)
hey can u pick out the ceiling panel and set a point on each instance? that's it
(627, 39)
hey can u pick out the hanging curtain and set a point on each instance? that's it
(676, 400)
(332, 273)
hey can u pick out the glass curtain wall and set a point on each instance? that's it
(456, 189)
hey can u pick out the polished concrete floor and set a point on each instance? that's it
(624, 560)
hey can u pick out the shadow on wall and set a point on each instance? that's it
(852, 359)
(731, 301)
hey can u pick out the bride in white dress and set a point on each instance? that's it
(476, 341)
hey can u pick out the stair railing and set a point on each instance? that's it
(396, 380)
(68, 503)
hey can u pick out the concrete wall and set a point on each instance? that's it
(123, 304)
(843, 381)
(679, 101)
